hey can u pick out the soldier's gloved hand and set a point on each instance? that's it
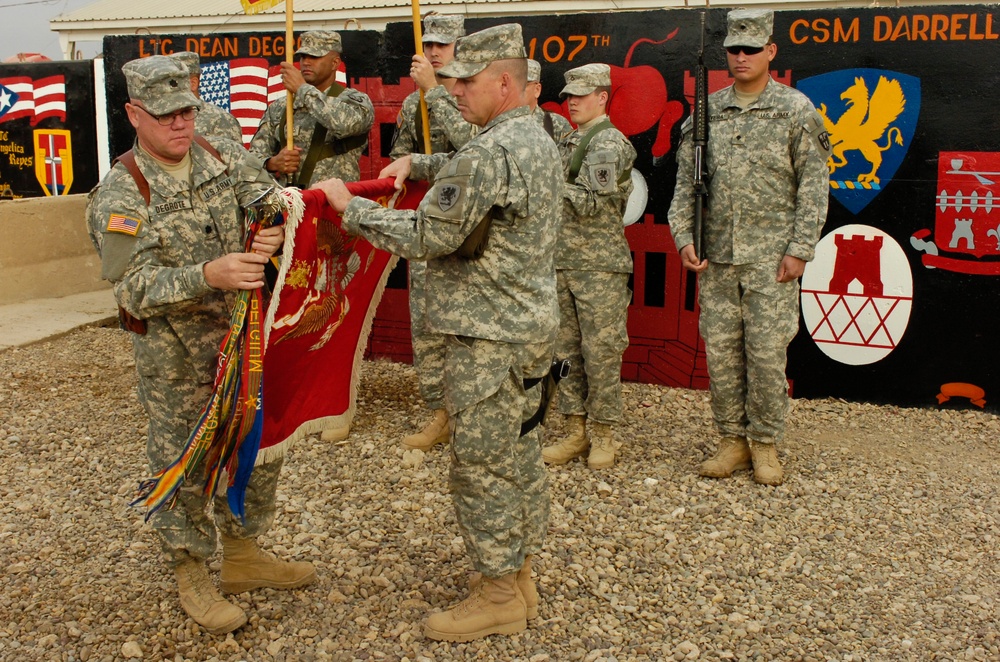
(286, 161)
(236, 271)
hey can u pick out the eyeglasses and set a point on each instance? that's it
(186, 114)
(746, 50)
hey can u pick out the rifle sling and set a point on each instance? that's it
(319, 148)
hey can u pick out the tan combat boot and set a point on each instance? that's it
(571, 446)
(525, 584)
(246, 567)
(766, 467)
(336, 434)
(733, 455)
(602, 447)
(495, 606)
(203, 602)
(435, 432)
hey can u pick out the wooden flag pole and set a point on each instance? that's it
(418, 40)
(289, 58)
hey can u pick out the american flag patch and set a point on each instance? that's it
(123, 224)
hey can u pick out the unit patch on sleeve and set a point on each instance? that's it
(123, 224)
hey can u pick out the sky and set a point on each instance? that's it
(24, 28)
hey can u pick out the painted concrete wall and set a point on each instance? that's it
(46, 252)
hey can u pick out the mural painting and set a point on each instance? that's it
(896, 308)
(48, 143)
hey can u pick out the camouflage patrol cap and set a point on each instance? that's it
(584, 80)
(749, 27)
(161, 83)
(190, 60)
(479, 50)
(534, 71)
(443, 28)
(320, 42)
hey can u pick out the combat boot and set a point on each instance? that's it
(494, 606)
(733, 455)
(602, 447)
(525, 584)
(571, 446)
(435, 432)
(245, 567)
(336, 434)
(766, 467)
(203, 602)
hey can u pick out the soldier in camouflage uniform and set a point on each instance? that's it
(593, 263)
(767, 201)
(448, 132)
(168, 227)
(498, 311)
(554, 124)
(342, 117)
(211, 120)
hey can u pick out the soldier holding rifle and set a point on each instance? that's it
(768, 189)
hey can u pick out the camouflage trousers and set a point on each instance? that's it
(187, 530)
(428, 347)
(747, 321)
(593, 310)
(498, 483)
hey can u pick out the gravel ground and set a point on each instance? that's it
(881, 545)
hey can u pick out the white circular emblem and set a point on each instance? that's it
(635, 207)
(857, 295)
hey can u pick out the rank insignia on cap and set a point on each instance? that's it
(123, 224)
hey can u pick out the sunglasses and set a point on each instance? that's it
(186, 114)
(746, 50)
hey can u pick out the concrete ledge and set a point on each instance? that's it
(46, 252)
(40, 319)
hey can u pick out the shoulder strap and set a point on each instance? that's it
(576, 161)
(128, 160)
(549, 125)
(318, 143)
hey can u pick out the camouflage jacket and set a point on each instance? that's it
(592, 237)
(768, 182)
(448, 130)
(508, 171)
(560, 125)
(345, 116)
(154, 255)
(214, 121)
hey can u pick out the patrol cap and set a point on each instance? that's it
(190, 60)
(161, 83)
(319, 42)
(584, 80)
(534, 71)
(443, 28)
(478, 50)
(749, 27)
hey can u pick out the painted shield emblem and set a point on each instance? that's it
(857, 295)
(53, 160)
(602, 175)
(448, 195)
(871, 115)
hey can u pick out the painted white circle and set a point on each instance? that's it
(857, 295)
(636, 205)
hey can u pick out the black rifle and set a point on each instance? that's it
(700, 143)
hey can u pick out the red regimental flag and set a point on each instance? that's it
(320, 318)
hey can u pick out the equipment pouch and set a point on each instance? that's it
(475, 244)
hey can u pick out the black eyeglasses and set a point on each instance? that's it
(186, 114)
(746, 50)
